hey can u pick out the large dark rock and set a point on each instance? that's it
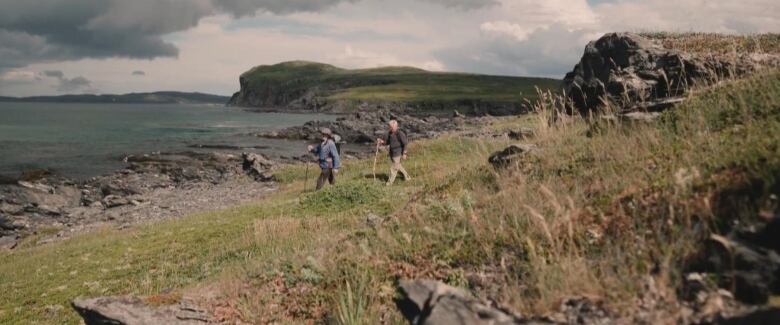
(430, 302)
(127, 310)
(749, 269)
(509, 155)
(628, 70)
(257, 166)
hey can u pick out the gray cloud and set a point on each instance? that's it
(60, 30)
(78, 83)
(54, 74)
(138, 73)
(67, 84)
(240, 8)
(466, 4)
(549, 52)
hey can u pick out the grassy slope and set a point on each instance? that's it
(396, 84)
(592, 213)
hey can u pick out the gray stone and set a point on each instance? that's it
(521, 134)
(504, 158)
(430, 302)
(8, 242)
(258, 166)
(630, 72)
(113, 201)
(374, 221)
(128, 310)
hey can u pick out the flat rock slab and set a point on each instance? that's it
(128, 310)
(8, 242)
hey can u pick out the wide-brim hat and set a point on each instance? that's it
(326, 131)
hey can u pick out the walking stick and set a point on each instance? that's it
(306, 178)
(376, 154)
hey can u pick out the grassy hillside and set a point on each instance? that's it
(309, 83)
(596, 211)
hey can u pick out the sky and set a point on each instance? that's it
(53, 47)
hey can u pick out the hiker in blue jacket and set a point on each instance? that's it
(328, 158)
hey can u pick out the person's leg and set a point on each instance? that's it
(403, 171)
(331, 177)
(394, 163)
(323, 177)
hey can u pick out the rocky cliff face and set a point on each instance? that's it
(630, 71)
(280, 96)
(310, 86)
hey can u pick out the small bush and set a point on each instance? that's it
(343, 196)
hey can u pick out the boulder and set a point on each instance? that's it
(257, 166)
(430, 302)
(129, 310)
(751, 271)
(8, 242)
(504, 158)
(521, 134)
(374, 221)
(625, 69)
(113, 201)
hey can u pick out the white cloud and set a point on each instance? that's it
(516, 37)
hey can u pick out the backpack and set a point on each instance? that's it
(337, 141)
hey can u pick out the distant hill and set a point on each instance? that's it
(160, 97)
(311, 86)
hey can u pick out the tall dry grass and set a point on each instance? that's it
(601, 209)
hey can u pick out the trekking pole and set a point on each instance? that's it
(306, 177)
(376, 154)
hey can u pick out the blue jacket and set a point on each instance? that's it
(328, 155)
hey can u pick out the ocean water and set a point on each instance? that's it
(85, 140)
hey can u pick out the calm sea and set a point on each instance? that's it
(85, 140)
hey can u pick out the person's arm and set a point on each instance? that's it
(314, 149)
(404, 141)
(385, 141)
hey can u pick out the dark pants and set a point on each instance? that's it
(326, 175)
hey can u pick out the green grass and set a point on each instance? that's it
(598, 209)
(712, 43)
(277, 234)
(393, 84)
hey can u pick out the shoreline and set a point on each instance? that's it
(168, 185)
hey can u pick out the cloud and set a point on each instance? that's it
(138, 73)
(62, 30)
(54, 74)
(547, 52)
(466, 4)
(241, 8)
(78, 83)
(67, 85)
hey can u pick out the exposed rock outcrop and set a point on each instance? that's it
(152, 186)
(633, 72)
(509, 155)
(366, 126)
(747, 261)
(257, 166)
(128, 310)
(427, 302)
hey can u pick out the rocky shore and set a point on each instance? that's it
(172, 184)
(153, 186)
(363, 127)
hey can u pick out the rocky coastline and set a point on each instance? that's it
(165, 185)
(152, 187)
